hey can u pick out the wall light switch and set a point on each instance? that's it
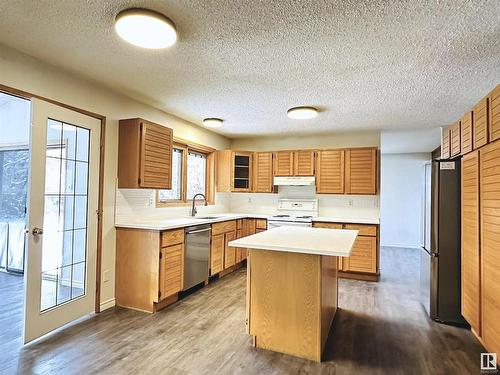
(105, 276)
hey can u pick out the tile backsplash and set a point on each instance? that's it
(139, 204)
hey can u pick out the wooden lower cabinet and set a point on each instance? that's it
(171, 270)
(363, 257)
(217, 253)
(229, 251)
(364, 261)
(149, 268)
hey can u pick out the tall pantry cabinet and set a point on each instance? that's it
(489, 177)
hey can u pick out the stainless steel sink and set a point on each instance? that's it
(206, 217)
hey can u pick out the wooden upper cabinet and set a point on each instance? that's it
(144, 155)
(489, 196)
(361, 171)
(494, 114)
(466, 134)
(470, 262)
(455, 139)
(303, 163)
(445, 143)
(480, 124)
(283, 163)
(234, 171)
(330, 171)
(262, 172)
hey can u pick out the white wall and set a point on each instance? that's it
(15, 118)
(26, 73)
(402, 181)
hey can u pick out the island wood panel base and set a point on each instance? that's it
(292, 299)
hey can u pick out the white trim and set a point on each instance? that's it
(405, 245)
(107, 304)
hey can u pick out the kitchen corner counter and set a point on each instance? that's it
(315, 241)
(175, 223)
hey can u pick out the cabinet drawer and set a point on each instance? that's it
(172, 237)
(327, 225)
(261, 223)
(364, 229)
(225, 226)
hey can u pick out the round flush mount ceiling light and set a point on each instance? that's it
(145, 28)
(213, 122)
(302, 113)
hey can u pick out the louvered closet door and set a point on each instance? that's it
(283, 163)
(480, 124)
(490, 244)
(361, 171)
(304, 163)
(156, 156)
(470, 241)
(263, 172)
(494, 118)
(330, 172)
(466, 133)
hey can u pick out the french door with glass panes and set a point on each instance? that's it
(62, 218)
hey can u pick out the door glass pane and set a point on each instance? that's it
(65, 214)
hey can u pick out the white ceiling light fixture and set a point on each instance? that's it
(145, 28)
(302, 113)
(213, 122)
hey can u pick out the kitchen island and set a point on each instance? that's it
(292, 288)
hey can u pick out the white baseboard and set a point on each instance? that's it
(108, 304)
(405, 245)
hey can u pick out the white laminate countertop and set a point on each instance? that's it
(174, 223)
(317, 241)
(348, 220)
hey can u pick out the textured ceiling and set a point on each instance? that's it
(366, 64)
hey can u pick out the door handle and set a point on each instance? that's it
(37, 231)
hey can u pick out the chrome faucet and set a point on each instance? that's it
(193, 209)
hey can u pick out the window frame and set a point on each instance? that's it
(209, 154)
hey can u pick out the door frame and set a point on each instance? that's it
(28, 95)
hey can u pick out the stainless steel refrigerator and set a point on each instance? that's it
(440, 255)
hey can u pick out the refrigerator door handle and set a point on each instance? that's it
(431, 253)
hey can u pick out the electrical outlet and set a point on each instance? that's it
(105, 276)
(249, 200)
(351, 203)
(151, 202)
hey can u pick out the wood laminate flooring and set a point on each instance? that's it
(381, 328)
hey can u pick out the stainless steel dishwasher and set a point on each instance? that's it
(196, 252)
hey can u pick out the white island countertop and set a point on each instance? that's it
(317, 241)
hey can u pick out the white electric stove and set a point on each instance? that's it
(294, 212)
